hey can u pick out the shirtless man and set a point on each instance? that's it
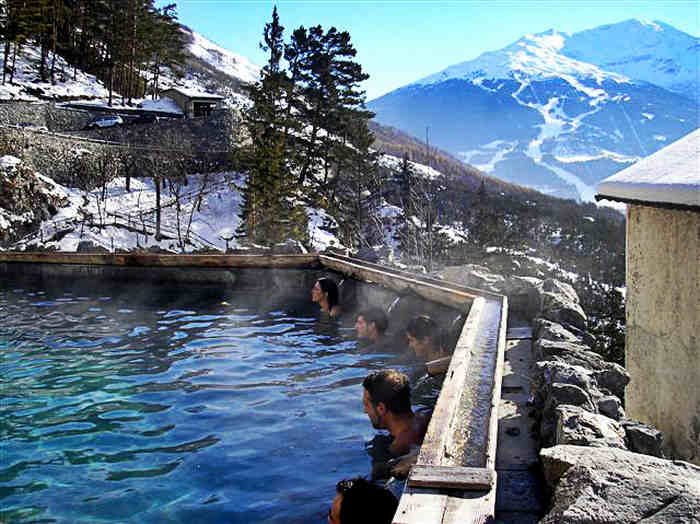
(370, 327)
(387, 402)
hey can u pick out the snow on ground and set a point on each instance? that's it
(496, 151)
(602, 154)
(319, 237)
(548, 265)
(125, 220)
(26, 78)
(165, 105)
(224, 60)
(395, 163)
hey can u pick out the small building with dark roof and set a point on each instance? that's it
(193, 103)
(663, 291)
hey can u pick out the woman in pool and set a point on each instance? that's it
(424, 341)
(325, 294)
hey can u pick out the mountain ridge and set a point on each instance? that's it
(529, 114)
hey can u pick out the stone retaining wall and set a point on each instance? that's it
(169, 147)
(596, 461)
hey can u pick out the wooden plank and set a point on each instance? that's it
(451, 477)
(395, 280)
(423, 278)
(519, 333)
(163, 260)
(435, 442)
(491, 446)
(420, 506)
(470, 507)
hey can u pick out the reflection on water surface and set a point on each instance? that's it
(173, 404)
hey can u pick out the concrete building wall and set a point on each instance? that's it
(663, 319)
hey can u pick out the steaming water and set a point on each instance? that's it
(173, 407)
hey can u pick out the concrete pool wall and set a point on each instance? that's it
(454, 479)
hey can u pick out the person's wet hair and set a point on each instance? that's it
(377, 316)
(329, 286)
(390, 387)
(422, 327)
(365, 503)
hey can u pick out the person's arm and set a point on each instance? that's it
(438, 366)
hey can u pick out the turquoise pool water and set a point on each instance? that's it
(134, 403)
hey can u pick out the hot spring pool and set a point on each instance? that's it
(174, 403)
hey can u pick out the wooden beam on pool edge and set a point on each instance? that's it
(442, 293)
(473, 504)
(303, 261)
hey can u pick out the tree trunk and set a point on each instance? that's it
(156, 181)
(14, 61)
(6, 55)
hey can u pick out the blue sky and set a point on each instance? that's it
(401, 41)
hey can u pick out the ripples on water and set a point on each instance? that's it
(173, 407)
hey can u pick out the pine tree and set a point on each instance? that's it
(271, 210)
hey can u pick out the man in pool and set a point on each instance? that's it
(370, 327)
(387, 402)
(358, 501)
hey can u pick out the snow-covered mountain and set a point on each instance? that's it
(558, 112)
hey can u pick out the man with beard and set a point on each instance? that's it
(387, 402)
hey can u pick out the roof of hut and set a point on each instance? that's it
(670, 177)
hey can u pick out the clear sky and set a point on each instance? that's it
(399, 42)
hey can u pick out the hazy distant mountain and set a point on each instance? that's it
(558, 112)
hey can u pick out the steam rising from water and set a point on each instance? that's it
(174, 403)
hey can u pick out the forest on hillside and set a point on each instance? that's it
(125, 43)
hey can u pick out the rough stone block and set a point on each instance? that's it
(577, 426)
(606, 485)
(610, 406)
(643, 438)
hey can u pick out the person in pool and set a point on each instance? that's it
(325, 294)
(424, 341)
(358, 501)
(370, 328)
(387, 401)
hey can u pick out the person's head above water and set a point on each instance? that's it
(386, 393)
(423, 337)
(371, 324)
(325, 293)
(358, 501)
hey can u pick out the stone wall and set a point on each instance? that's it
(600, 465)
(663, 322)
(82, 159)
(46, 114)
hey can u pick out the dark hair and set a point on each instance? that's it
(422, 327)
(365, 503)
(329, 286)
(390, 387)
(377, 316)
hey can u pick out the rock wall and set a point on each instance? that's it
(83, 159)
(46, 114)
(26, 198)
(601, 466)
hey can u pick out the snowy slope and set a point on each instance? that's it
(537, 114)
(26, 84)
(209, 67)
(653, 52)
(229, 63)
